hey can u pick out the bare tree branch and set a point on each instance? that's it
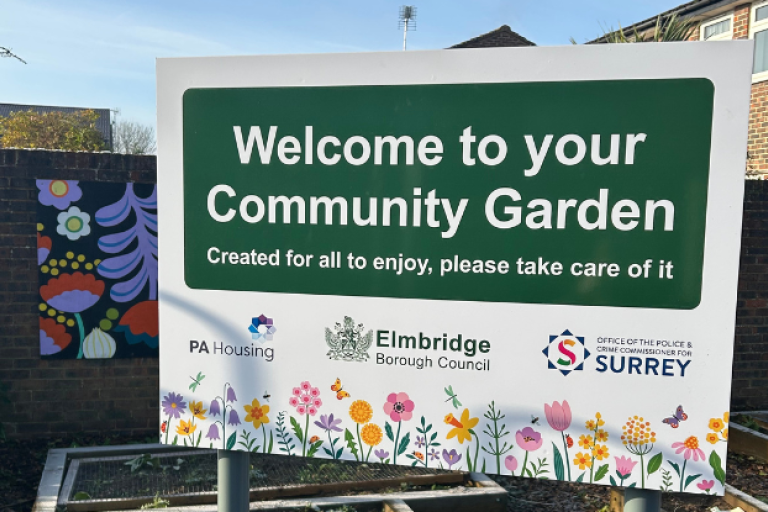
(133, 138)
(6, 52)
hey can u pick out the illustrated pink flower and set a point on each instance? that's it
(558, 416)
(528, 439)
(399, 407)
(691, 448)
(511, 463)
(706, 485)
(625, 465)
(305, 399)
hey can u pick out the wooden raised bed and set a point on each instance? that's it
(746, 441)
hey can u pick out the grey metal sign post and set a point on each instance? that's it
(233, 490)
(641, 500)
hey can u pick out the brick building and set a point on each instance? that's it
(722, 20)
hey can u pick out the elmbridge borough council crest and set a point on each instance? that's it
(347, 342)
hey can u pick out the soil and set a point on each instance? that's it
(22, 462)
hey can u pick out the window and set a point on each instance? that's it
(758, 30)
(719, 29)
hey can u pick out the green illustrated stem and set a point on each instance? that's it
(358, 442)
(642, 472)
(306, 435)
(682, 475)
(167, 429)
(369, 453)
(264, 431)
(330, 444)
(82, 336)
(567, 458)
(397, 437)
(477, 450)
(525, 461)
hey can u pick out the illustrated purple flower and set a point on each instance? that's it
(451, 457)
(381, 454)
(528, 439)
(231, 397)
(58, 193)
(213, 432)
(135, 247)
(328, 424)
(434, 455)
(215, 409)
(174, 405)
(419, 441)
(510, 462)
(233, 419)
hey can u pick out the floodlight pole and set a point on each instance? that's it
(641, 500)
(233, 488)
(405, 33)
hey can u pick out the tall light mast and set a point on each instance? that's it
(407, 21)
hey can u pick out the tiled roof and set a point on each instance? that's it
(102, 123)
(501, 37)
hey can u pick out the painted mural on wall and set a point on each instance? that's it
(97, 263)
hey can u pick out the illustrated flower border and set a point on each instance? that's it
(573, 453)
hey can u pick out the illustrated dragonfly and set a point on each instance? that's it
(196, 381)
(452, 396)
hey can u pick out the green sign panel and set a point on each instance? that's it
(584, 193)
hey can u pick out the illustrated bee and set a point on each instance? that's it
(163, 427)
(534, 420)
(340, 393)
(419, 456)
(569, 440)
(266, 396)
(314, 439)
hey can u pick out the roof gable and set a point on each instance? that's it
(501, 37)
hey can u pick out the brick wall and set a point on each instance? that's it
(741, 21)
(73, 396)
(61, 396)
(750, 366)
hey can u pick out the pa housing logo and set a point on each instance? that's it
(566, 352)
(262, 328)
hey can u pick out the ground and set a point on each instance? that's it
(23, 462)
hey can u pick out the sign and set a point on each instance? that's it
(516, 261)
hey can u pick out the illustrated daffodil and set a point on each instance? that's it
(257, 413)
(196, 408)
(461, 427)
(185, 428)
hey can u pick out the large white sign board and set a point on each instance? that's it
(520, 261)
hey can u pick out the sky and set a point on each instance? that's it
(101, 54)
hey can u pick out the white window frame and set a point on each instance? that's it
(725, 36)
(755, 27)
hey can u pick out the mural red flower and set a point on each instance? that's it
(53, 337)
(73, 293)
(140, 323)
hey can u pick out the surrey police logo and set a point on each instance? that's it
(566, 352)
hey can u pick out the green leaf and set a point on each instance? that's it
(404, 442)
(81, 496)
(349, 437)
(297, 430)
(434, 435)
(269, 450)
(469, 460)
(313, 448)
(690, 480)
(655, 463)
(601, 472)
(388, 430)
(675, 467)
(483, 470)
(559, 467)
(631, 485)
(231, 440)
(175, 439)
(339, 452)
(717, 466)
(581, 477)
(613, 482)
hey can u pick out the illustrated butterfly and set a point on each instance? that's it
(452, 396)
(674, 420)
(340, 393)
